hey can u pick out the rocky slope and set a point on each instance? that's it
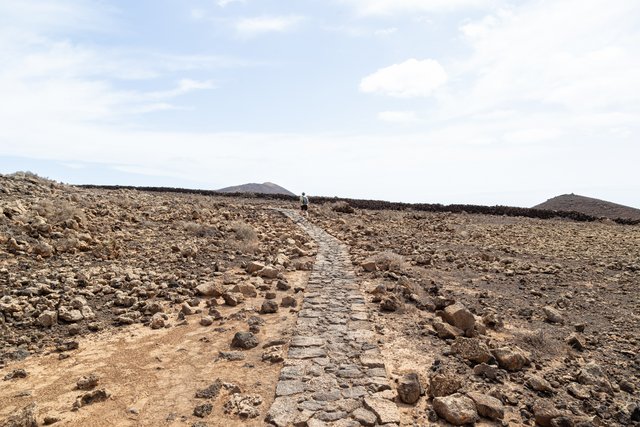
(589, 206)
(264, 188)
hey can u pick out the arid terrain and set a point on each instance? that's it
(162, 309)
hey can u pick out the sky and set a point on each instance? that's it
(493, 102)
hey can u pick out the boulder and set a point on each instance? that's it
(457, 409)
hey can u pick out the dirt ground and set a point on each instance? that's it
(153, 375)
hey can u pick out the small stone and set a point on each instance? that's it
(552, 315)
(385, 410)
(203, 410)
(210, 392)
(456, 409)
(545, 412)
(157, 321)
(244, 340)
(50, 419)
(26, 417)
(390, 303)
(487, 406)
(511, 359)
(289, 387)
(472, 349)
(91, 397)
(364, 417)
(459, 316)
(87, 382)
(444, 383)
(288, 301)
(206, 321)
(576, 342)
(48, 318)
(209, 289)
(409, 388)
(445, 330)
(232, 299)
(539, 384)
(269, 306)
(15, 374)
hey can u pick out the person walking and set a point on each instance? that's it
(304, 204)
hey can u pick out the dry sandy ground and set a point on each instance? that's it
(153, 375)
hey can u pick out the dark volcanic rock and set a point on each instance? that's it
(244, 340)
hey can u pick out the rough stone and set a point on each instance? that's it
(409, 388)
(511, 359)
(244, 340)
(459, 316)
(385, 410)
(472, 349)
(487, 406)
(457, 409)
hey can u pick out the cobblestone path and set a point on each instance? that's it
(334, 374)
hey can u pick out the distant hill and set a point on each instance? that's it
(264, 188)
(589, 206)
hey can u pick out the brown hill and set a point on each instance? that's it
(264, 188)
(589, 206)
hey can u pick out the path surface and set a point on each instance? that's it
(334, 373)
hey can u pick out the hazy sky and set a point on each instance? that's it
(439, 101)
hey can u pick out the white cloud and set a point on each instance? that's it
(532, 55)
(250, 27)
(398, 116)
(224, 3)
(412, 78)
(184, 86)
(384, 32)
(389, 7)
